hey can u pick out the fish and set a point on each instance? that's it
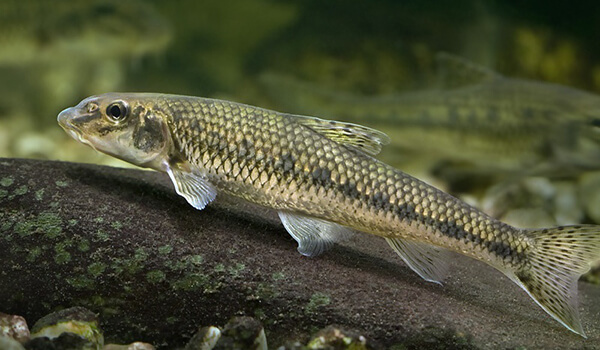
(473, 116)
(45, 32)
(324, 182)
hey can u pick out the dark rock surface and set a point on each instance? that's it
(121, 243)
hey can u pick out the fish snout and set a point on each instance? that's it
(64, 118)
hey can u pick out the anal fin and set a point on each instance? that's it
(193, 186)
(428, 261)
(314, 236)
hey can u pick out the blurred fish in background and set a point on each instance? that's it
(475, 123)
(54, 52)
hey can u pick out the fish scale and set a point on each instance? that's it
(323, 181)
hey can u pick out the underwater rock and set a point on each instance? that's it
(242, 333)
(238, 333)
(64, 341)
(335, 338)
(124, 245)
(76, 325)
(8, 343)
(132, 346)
(204, 339)
(15, 327)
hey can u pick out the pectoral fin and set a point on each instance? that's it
(314, 236)
(429, 262)
(193, 186)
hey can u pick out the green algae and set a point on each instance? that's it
(185, 263)
(265, 291)
(133, 265)
(277, 276)
(62, 256)
(60, 183)
(99, 220)
(6, 181)
(21, 190)
(24, 229)
(101, 236)
(81, 282)
(39, 194)
(3, 193)
(96, 269)
(33, 254)
(6, 226)
(155, 276)
(172, 320)
(317, 300)
(195, 259)
(164, 250)
(83, 245)
(117, 225)
(236, 270)
(47, 223)
(192, 282)
(219, 268)
(140, 255)
(50, 224)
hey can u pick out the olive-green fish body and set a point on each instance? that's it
(322, 179)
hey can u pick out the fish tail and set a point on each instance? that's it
(555, 261)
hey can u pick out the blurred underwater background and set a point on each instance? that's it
(496, 102)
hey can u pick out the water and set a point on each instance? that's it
(52, 56)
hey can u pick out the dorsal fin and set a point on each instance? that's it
(356, 136)
(455, 72)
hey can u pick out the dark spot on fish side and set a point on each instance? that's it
(287, 161)
(148, 135)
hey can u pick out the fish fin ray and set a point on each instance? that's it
(359, 137)
(193, 186)
(456, 72)
(314, 236)
(428, 261)
(559, 257)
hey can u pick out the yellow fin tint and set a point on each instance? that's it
(356, 136)
(558, 258)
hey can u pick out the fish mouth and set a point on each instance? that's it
(64, 120)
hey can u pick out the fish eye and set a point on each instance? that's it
(117, 111)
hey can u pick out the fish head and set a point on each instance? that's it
(124, 126)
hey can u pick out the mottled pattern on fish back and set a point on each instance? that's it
(271, 159)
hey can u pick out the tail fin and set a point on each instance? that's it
(556, 260)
